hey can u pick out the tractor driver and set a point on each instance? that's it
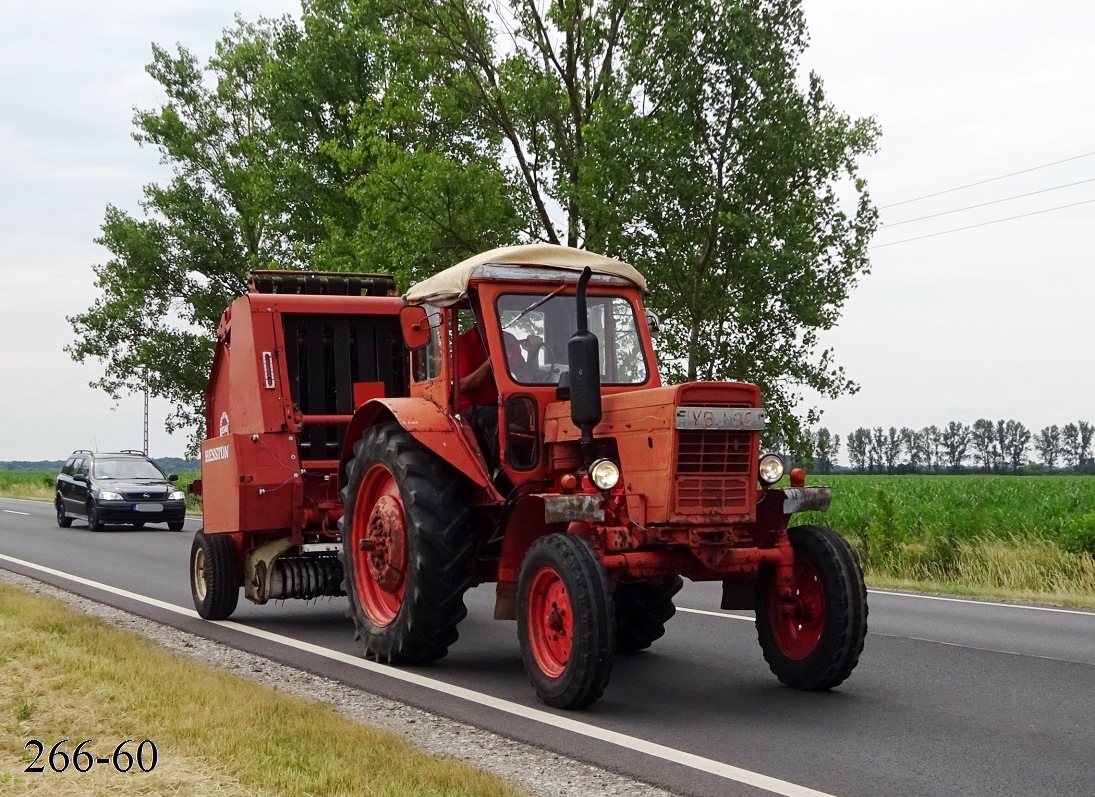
(479, 391)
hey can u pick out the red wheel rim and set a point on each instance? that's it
(550, 622)
(797, 628)
(378, 546)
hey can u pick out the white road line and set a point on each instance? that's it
(723, 615)
(708, 765)
(13, 512)
(980, 603)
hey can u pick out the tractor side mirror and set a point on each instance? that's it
(653, 323)
(415, 325)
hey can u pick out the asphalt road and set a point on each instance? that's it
(950, 697)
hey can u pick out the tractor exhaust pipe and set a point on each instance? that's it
(583, 355)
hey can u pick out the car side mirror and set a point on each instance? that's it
(174, 477)
(415, 326)
(79, 477)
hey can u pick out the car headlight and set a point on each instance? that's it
(176, 495)
(106, 495)
(604, 473)
(771, 468)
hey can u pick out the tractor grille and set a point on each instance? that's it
(712, 471)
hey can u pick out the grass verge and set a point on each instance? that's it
(64, 675)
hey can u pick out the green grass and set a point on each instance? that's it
(1005, 536)
(64, 675)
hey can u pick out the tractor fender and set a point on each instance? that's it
(428, 424)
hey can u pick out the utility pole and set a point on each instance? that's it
(146, 415)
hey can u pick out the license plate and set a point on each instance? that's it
(746, 419)
(148, 507)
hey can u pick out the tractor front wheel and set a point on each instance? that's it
(406, 547)
(813, 642)
(565, 621)
(213, 576)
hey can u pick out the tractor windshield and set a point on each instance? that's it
(536, 328)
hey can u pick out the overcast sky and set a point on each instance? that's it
(992, 321)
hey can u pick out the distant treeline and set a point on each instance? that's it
(1004, 446)
(169, 464)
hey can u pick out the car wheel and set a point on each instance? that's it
(94, 523)
(63, 520)
(176, 525)
(139, 524)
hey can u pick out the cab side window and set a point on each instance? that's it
(426, 362)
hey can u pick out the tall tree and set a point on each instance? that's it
(827, 448)
(890, 446)
(286, 152)
(1085, 433)
(910, 441)
(682, 137)
(1012, 440)
(1048, 444)
(983, 438)
(955, 440)
(859, 445)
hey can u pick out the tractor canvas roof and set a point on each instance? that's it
(451, 285)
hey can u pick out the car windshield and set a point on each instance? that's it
(128, 468)
(537, 327)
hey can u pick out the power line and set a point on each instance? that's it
(989, 180)
(993, 202)
(982, 224)
(66, 387)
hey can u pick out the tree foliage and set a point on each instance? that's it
(681, 136)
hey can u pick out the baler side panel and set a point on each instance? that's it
(248, 484)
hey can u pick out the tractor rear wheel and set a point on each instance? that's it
(815, 643)
(213, 576)
(407, 551)
(565, 621)
(642, 610)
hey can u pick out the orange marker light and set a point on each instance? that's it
(568, 481)
(798, 477)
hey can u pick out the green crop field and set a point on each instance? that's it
(1007, 535)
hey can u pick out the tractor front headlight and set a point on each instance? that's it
(771, 468)
(604, 473)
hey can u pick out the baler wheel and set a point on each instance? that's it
(63, 520)
(213, 575)
(642, 610)
(565, 621)
(407, 551)
(815, 643)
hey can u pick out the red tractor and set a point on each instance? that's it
(363, 444)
